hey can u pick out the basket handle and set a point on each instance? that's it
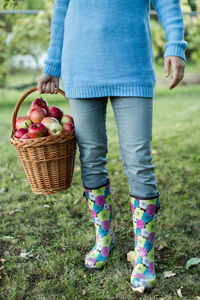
(16, 109)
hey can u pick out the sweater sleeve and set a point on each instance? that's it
(171, 18)
(52, 64)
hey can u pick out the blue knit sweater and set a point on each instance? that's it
(104, 48)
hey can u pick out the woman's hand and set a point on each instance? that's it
(48, 84)
(178, 67)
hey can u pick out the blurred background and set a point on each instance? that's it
(25, 34)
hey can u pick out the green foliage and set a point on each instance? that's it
(24, 34)
(11, 3)
(6, 24)
(158, 39)
(192, 24)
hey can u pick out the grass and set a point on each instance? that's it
(56, 230)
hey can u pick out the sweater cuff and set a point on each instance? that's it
(176, 49)
(52, 70)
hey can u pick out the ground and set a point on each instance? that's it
(55, 232)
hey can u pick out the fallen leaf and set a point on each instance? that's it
(20, 234)
(168, 274)
(26, 255)
(75, 201)
(197, 298)
(46, 205)
(131, 257)
(84, 292)
(192, 261)
(179, 292)
(12, 176)
(139, 290)
(5, 237)
(154, 151)
(161, 246)
(14, 211)
(3, 190)
(2, 273)
(2, 261)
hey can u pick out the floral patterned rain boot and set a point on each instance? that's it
(144, 214)
(101, 210)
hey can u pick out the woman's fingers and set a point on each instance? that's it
(48, 87)
(167, 67)
(52, 87)
(39, 86)
(178, 67)
(48, 84)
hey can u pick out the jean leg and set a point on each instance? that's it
(90, 128)
(134, 122)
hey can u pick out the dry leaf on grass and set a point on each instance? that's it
(168, 274)
(192, 261)
(14, 211)
(46, 205)
(154, 151)
(26, 255)
(197, 298)
(161, 246)
(131, 257)
(2, 273)
(139, 290)
(179, 292)
(2, 261)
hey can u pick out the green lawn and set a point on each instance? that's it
(57, 230)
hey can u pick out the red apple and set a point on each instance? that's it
(37, 130)
(20, 132)
(56, 112)
(40, 103)
(25, 136)
(66, 118)
(23, 122)
(49, 120)
(69, 126)
(37, 114)
(29, 112)
(52, 124)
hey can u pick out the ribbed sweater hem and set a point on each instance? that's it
(105, 91)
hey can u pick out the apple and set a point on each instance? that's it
(23, 122)
(29, 112)
(40, 103)
(69, 126)
(20, 132)
(53, 126)
(25, 136)
(66, 119)
(37, 130)
(37, 114)
(56, 112)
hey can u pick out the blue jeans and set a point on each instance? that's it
(134, 122)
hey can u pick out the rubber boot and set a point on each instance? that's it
(144, 213)
(99, 201)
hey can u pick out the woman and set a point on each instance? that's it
(100, 49)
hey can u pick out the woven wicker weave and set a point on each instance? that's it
(48, 161)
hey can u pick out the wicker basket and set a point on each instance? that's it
(48, 161)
